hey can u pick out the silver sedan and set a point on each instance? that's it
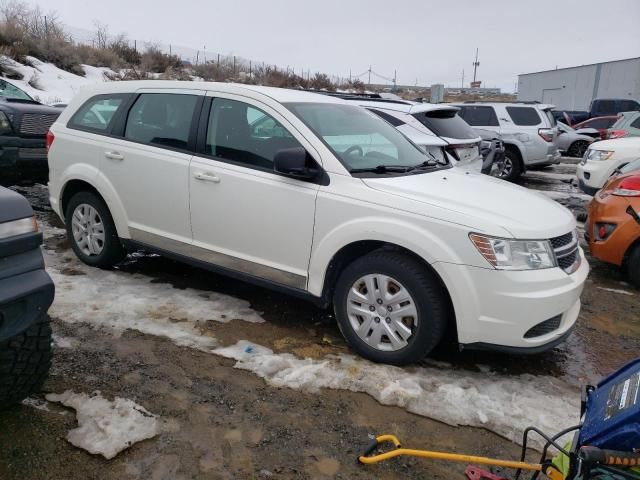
(574, 142)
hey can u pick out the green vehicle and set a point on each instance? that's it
(628, 125)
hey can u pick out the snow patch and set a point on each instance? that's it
(49, 84)
(554, 195)
(106, 427)
(616, 290)
(120, 301)
(501, 403)
(36, 403)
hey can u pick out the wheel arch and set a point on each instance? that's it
(95, 182)
(515, 148)
(357, 249)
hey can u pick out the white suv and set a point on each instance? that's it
(528, 130)
(323, 199)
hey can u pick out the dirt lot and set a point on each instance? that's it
(218, 421)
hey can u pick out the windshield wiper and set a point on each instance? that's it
(424, 165)
(382, 169)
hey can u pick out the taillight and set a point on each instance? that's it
(603, 230)
(546, 134)
(50, 138)
(629, 187)
(617, 134)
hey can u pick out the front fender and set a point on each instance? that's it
(91, 175)
(400, 232)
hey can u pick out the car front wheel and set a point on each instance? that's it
(390, 308)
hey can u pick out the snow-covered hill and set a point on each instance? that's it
(49, 84)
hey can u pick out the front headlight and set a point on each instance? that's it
(18, 227)
(507, 254)
(593, 154)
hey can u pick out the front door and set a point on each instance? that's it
(244, 216)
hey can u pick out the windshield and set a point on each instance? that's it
(360, 139)
(9, 90)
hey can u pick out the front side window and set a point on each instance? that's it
(162, 119)
(245, 134)
(524, 116)
(446, 123)
(97, 113)
(9, 90)
(359, 139)
(478, 116)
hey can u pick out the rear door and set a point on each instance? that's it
(244, 215)
(148, 164)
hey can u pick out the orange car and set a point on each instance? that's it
(613, 225)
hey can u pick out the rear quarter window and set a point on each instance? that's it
(97, 113)
(446, 123)
(524, 116)
(396, 122)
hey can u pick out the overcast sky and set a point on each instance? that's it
(426, 41)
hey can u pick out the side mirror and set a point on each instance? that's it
(292, 162)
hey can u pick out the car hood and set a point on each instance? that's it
(483, 200)
(27, 107)
(13, 206)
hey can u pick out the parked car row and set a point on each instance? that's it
(320, 197)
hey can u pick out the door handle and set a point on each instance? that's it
(207, 177)
(114, 155)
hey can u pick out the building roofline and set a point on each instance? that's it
(579, 66)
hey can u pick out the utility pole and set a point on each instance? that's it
(349, 75)
(395, 84)
(462, 83)
(369, 76)
(476, 64)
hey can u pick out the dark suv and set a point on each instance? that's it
(26, 293)
(24, 123)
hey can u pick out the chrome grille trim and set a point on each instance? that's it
(566, 249)
(37, 123)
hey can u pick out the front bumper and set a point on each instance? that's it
(594, 174)
(497, 308)
(23, 159)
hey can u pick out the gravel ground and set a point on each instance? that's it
(221, 422)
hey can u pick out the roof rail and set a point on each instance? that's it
(370, 97)
(525, 102)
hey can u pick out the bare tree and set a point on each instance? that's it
(101, 37)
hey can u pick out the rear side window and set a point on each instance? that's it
(479, 116)
(162, 119)
(446, 123)
(524, 116)
(97, 113)
(628, 105)
(635, 123)
(396, 122)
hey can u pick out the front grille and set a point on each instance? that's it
(566, 249)
(545, 327)
(37, 123)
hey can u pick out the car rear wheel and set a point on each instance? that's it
(633, 266)
(390, 308)
(91, 231)
(24, 362)
(578, 148)
(512, 169)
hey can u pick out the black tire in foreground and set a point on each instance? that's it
(400, 284)
(109, 250)
(24, 362)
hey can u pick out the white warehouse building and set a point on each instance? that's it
(573, 88)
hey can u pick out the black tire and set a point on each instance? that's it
(429, 296)
(24, 362)
(633, 266)
(577, 148)
(513, 162)
(112, 249)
